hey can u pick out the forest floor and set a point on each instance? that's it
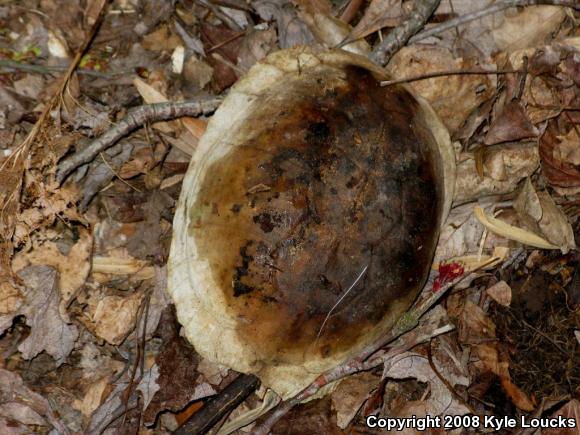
(89, 340)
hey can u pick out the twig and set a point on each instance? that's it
(213, 411)
(436, 74)
(41, 69)
(492, 9)
(383, 52)
(406, 323)
(135, 118)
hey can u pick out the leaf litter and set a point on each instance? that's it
(89, 342)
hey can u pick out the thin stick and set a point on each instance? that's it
(219, 406)
(496, 7)
(135, 118)
(436, 74)
(42, 69)
(384, 51)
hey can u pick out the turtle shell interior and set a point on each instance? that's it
(325, 220)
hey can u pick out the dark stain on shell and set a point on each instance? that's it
(342, 181)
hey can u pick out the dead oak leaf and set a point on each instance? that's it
(50, 330)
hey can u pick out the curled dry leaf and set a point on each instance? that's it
(539, 212)
(511, 232)
(331, 31)
(379, 14)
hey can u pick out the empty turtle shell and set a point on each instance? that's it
(309, 216)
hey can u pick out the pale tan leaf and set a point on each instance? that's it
(115, 317)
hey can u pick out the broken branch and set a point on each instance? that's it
(135, 118)
(383, 52)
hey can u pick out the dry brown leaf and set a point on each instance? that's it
(500, 292)
(197, 72)
(453, 97)
(49, 327)
(511, 124)
(558, 172)
(162, 39)
(350, 395)
(528, 27)
(92, 397)
(568, 148)
(379, 14)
